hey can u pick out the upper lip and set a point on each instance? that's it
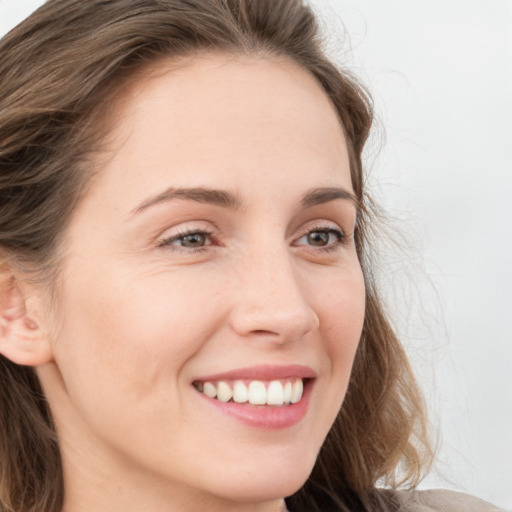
(263, 372)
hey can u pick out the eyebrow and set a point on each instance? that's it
(226, 199)
(323, 195)
(199, 194)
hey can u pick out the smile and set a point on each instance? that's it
(268, 397)
(281, 392)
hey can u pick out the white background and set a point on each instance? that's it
(441, 75)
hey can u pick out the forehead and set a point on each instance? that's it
(207, 118)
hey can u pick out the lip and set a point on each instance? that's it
(263, 372)
(264, 417)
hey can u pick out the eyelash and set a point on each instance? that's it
(168, 243)
(330, 230)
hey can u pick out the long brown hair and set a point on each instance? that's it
(59, 71)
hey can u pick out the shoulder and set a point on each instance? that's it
(441, 500)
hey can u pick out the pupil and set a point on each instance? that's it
(319, 238)
(197, 239)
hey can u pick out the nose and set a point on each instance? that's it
(271, 300)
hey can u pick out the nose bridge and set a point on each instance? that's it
(271, 299)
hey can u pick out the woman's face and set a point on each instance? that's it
(214, 253)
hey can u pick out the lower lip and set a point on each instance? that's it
(265, 417)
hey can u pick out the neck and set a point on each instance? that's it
(86, 491)
(119, 489)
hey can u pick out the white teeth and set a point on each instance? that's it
(297, 390)
(287, 393)
(209, 390)
(275, 393)
(257, 393)
(240, 393)
(224, 393)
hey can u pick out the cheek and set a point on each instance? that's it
(342, 323)
(342, 308)
(130, 335)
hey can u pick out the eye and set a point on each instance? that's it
(324, 237)
(194, 239)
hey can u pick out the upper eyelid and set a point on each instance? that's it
(321, 225)
(184, 233)
(186, 228)
(325, 228)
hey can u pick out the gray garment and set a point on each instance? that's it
(440, 500)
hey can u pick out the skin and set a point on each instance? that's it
(141, 315)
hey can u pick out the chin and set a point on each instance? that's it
(275, 480)
(267, 489)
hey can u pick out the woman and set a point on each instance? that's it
(189, 320)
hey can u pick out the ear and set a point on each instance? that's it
(22, 340)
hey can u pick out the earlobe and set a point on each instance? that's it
(21, 338)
